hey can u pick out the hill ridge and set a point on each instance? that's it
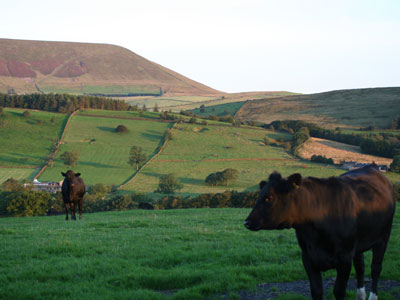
(75, 67)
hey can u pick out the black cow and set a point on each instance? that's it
(336, 219)
(72, 190)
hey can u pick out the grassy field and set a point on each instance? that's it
(171, 254)
(17, 173)
(349, 108)
(103, 152)
(196, 151)
(102, 89)
(27, 141)
(220, 110)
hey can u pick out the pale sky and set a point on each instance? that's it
(232, 45)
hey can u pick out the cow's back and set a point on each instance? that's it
(375, 204)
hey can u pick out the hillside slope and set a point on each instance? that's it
(350, 108)
(40, 66)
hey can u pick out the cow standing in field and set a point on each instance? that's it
(336, 219)
(72, 190)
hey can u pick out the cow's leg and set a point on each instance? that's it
(343, 273)
(315, 279)
(80, 208)
(359, 266)
(73, 211)
(66, 210)
(378, 251)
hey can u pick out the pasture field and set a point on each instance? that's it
(348, 108)
(104, 153)
(119, 114)
(167, 102)
(220, 110)
(17, 173)
(27, 141)
(195, 151)
(100, 89)
(145, 255)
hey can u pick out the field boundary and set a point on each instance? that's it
(228, 159)
(54, 153)
(132, 178)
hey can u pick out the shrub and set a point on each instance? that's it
(121, 129)
(168, 184)
(322, 159)
(222, 178)
(27, 114)
(395, 165)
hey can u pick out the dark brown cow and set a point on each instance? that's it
(336, 219)
(72, 190)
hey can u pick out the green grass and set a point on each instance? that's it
(25, 142)
(123, 114)
(103, 152)
(172, 254)
(17, 173)
(220, 110)
(196, 151)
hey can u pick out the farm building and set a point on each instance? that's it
(49, 186)
(352, 165)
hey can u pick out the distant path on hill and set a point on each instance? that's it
(57, 146)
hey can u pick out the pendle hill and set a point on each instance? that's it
(83, 68)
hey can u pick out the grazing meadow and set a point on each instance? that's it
(169, 254)
(28, 140)
(195, 151)
(104, 153)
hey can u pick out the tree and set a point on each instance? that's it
(155, 108)
(395, 165)
(11, 185)
(223, 178)
(168, 184)
(137, 157)
(70, 158)
(121, 129)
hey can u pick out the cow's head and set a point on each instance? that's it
(273, 202)
(70, 179)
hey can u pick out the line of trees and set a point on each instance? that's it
(63, 103)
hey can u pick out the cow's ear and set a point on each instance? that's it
(275, 176)
(262, 184)
(63, 174)
(294, 180)
(77, 174)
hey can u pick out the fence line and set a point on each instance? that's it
(54, 153)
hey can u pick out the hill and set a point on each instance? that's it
(348, 108)
(81, 68)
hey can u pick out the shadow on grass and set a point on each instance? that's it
(108, 129)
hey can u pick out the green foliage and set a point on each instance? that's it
(99, 189)
(395, 165)
(222, 178)
(64, 103)
(322, 159)
(27, 114)
(11, 185)
(168, 184)
(70, 158)
(136, 156)
(25, 203)
(300, 137)
(168, 134)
